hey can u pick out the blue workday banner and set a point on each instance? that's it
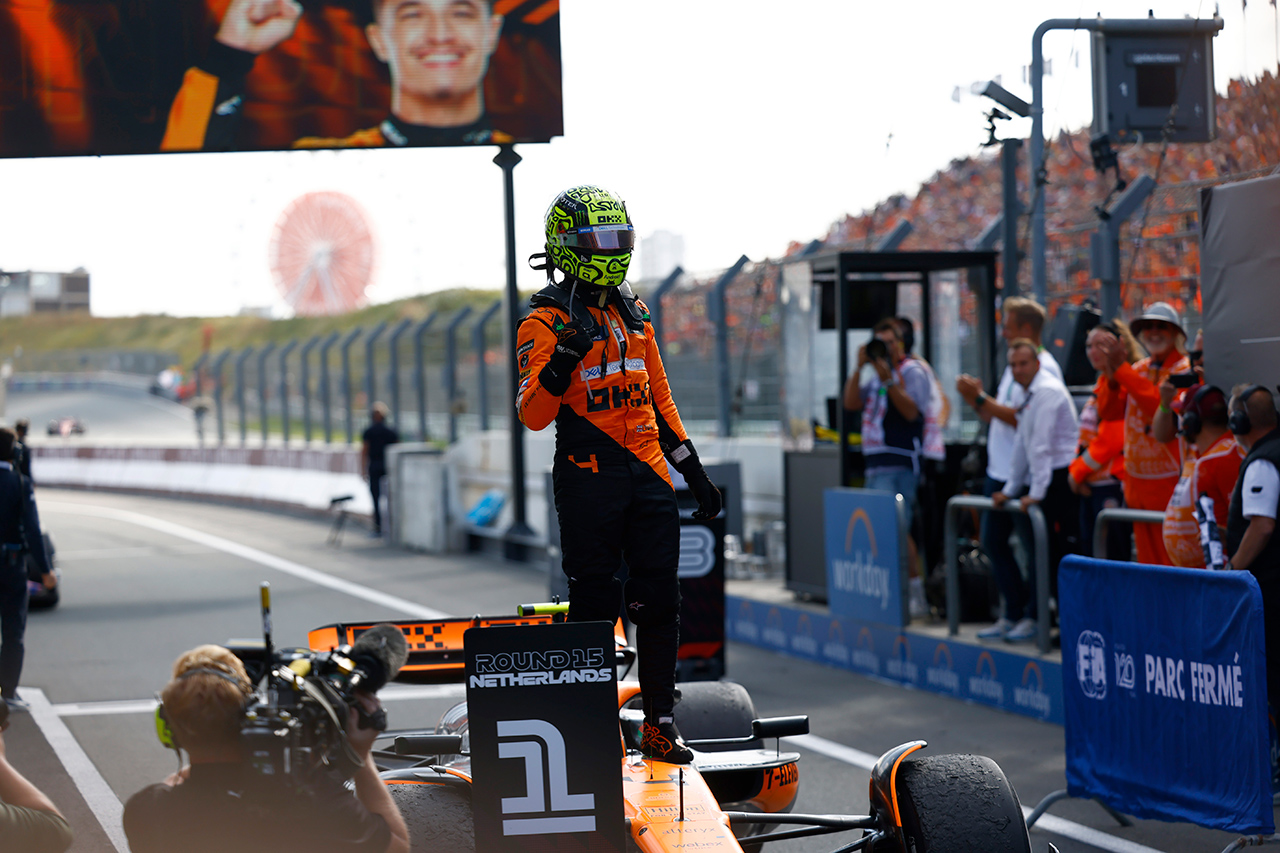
(1164, 692)
(864, 565)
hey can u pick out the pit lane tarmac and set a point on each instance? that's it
(146, 578)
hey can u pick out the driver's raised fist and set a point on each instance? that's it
(256, 26)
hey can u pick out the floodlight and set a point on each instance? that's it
(1003, 97)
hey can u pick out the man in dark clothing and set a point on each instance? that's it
(21, 452)
(373, 458)
(19, 535)
(220, 802)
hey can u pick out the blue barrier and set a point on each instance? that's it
(1164, 691)
(988, 676)
(864, 533)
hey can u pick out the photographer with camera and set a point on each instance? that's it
(893, 403)
(220, 801)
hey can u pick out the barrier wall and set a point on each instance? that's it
(989, 676)
(302, 478)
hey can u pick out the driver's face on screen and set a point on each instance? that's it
(438, 50)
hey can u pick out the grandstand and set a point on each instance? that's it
(1159, 247)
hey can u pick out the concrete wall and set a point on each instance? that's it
(301, 478)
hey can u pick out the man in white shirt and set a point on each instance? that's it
(1043, 447)
(1022, 318)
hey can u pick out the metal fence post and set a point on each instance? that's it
(451, 368)
(1040, 548)
(345, 349)
(477, 340)
(196, 368)
(420, 372)
(304, 359)
(218, 388)
(371, 364)
(262, 386)
(655, 303)
(326, 389)
(244, 422)
(285, 352)
(393, 348)
(719, 316)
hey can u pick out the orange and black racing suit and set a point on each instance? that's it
(613, 495)
(206, 113)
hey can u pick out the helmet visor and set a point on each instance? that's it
(595, 238)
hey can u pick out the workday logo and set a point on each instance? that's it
(802, 640)
(835, 649)
(864, 653)
(858, 572)
(941, 674)
(899, 665)
(745, 624)
(1091, 664)
(1031, 694)
(984, 683)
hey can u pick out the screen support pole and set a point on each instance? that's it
(519, 533)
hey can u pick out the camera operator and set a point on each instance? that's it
(220, 802)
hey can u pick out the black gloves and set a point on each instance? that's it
(686, 461)
(572, 345)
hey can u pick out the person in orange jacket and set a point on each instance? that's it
(1151, 467)
(1211, 467)
(1097, 474)
(588, 361)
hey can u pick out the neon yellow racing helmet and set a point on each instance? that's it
(589, 235)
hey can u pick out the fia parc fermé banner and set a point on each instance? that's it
(542, 702)
(864, 565)
(108, 77)
(1165, 692)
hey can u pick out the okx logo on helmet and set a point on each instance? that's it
(589, 235)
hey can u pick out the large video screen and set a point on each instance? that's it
(144, 76)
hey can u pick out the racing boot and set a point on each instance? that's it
(661, 741)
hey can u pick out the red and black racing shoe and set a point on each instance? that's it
(663, 742)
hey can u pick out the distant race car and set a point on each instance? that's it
(66, 426)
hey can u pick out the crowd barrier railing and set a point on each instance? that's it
(1120, 514)
(1040, 547)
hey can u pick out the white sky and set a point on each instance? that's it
(739, 124)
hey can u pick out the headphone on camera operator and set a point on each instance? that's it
(1239, 421)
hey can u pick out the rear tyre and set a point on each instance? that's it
(438, 816)
(715, 709)
(719, 709)
(959, 802)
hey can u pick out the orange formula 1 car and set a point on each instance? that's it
(737, 795)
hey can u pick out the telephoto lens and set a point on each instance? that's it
(877, 349)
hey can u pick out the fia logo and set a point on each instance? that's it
(1125, 675)
(1091, 664)
(546, 782)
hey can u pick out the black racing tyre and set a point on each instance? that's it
(952, 803)
(438, 816)
(715, 709)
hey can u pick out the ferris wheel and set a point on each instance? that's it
(321, 254)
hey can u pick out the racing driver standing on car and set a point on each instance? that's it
(588, 360)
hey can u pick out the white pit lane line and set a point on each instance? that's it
(244, 552)
(102, 801)
(1058, 826)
